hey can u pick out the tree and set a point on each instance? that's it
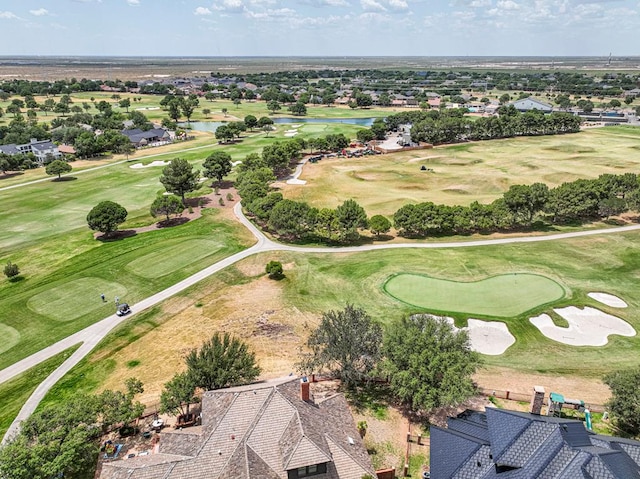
(625, 399)
(166, 205)
(273, 106)
(350, 216)
(298, 108)
(379, 224)
(274, 270)
(217, 165)
(365, 135)
(347, 343)
(11, 270)
(179, 177)
(265, 124)
(429, 364)
(178, 394)
(58, 167)
(222, 362)
(224, 111)
(106, 216)
(251, 121)
(504, 99)
(57, 441)
(188, 106)
(206, 112)
(125, 103)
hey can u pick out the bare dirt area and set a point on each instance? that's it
(590, 390)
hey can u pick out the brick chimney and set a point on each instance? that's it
(305, 393)
(537, 400)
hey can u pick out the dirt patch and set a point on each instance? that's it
(590, 390)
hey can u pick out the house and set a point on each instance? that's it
(632, 93)
(528, 104)
(269, 430)
(505, 444)
(141, 138)
(41, 149)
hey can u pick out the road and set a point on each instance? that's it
(92, 335)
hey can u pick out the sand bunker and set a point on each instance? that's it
(148, 165)
(236, 163)
(290, 133)
(587, 327)
(608, 299)
(488, 337)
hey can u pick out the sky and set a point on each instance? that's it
(320, 27)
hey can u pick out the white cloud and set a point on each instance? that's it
(480, 3)
(271, 14)
(202, 11)
(133, 3)
(372, 5)
(8, 15)
(39, 12)
(507, 5)
(236, 6)
(398, 4)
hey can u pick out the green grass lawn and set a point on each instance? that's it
(504, 296)
(65, 275)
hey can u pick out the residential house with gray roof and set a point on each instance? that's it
(502, 444)
(528, 104)
(269, 430)
(41, 149)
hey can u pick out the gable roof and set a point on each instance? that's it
(516, 445)
(260, 430)
(531, 103)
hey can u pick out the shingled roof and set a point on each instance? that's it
(515, 445)
(261, 430)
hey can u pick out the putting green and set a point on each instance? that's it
(10, 337)
(172, 258)
(76, 298)
(503, 296)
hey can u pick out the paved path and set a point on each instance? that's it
(92, 335)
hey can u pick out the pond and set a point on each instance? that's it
(211, 126)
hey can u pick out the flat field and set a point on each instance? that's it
(461, 174)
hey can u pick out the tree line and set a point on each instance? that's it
(451, 126)
(577, 201)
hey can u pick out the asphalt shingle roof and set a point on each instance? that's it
(260, 430)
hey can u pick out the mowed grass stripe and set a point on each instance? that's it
(504, 296)
(76, 298)
(10, 337)
(171, 258)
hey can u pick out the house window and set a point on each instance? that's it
(307, 471)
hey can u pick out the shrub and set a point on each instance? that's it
(11, 270)
(274, 270)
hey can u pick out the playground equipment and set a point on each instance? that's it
(558, 401)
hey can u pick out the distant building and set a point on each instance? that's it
(270, 430)
(517, 445)
(155, 136)
(528, 104)
(41, 149)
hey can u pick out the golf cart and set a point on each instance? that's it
(123, 309)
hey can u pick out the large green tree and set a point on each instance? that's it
(178, 394)
(429, 364)
(106, 216)
(350, 216)
(625, 399)
(217, 165)
(179, 177)
(166, 205)
(347, 343)
(221, 362)
(58, 167)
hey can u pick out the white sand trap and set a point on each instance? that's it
(608, 299)
(148, 108)
(290, 134)
(153, 163)
(487, 337)
(587, 327)
(295, 181)
(236, 163)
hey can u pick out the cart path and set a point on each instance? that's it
(92, 335)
